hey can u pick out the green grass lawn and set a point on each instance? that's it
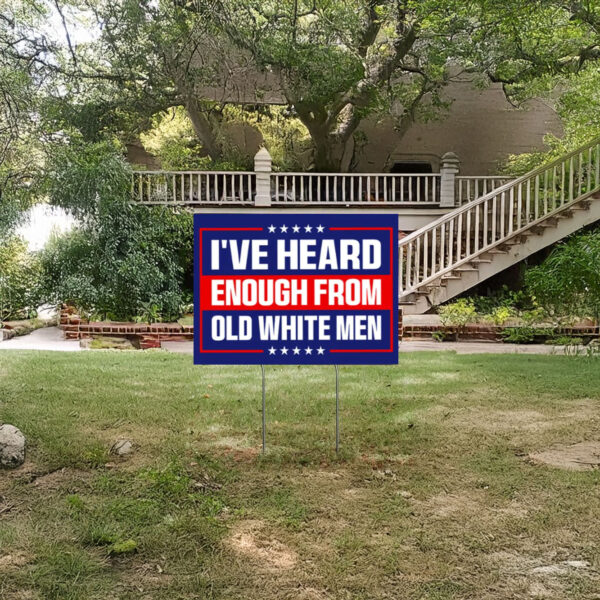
(432, 496)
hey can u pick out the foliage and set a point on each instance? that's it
(173, 141)
(90, 181)
(568, 282)
(19, 271)
(21, 129)
(565, 340)
(501, 314)
(121, 259)
(524, 334)
(504, 297)
(457, 314)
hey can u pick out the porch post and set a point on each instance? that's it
(262, 168)
(449, 169)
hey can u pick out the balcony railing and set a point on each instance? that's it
(469, 188)
(264, 187)
(193, 187)
(354, 188)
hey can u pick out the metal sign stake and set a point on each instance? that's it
(264, 421)
(337, 410)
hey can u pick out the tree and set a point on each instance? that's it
(121, 260)
(21, 78)
(331, 62)
(336, 63)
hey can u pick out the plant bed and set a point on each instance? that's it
(516, 334)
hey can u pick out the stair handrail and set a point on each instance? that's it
(469, 209)
(503, 188)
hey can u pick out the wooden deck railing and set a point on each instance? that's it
(354, 188)
(477, 226)
(469, 188)
(265, 187)
(193, 187)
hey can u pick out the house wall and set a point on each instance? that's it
(481, 127)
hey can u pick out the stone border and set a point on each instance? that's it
(492, 333)
(148, 335)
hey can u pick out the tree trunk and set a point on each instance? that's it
(203, 129)
(327, 157)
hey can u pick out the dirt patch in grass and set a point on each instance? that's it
(14, 560)
(584, 456)
(544, 576)
(465, 506)
(146, 577)
(59, 478)
(249, 539)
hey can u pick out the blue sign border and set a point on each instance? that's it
(360, 353)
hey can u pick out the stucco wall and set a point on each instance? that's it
(482, 128)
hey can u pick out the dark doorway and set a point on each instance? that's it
(416, 189)
(412, 167)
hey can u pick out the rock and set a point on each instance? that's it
(12, 447)
(121, 447)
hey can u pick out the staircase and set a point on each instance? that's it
(487, 235)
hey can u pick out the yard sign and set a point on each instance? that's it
(296, 289)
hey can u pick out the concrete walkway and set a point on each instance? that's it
(46, 338)
(430, 346)
(51, 338)
(478, 347)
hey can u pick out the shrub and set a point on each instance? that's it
(567, 282)
(501, 314)
(19, 272)
(121, 259)
(458, 314)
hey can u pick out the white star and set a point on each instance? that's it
(320, 229)
(283, 229)
(320, 350)
(272, 228)
(296, 229)
(272, 350)
(308, 350)
(308, 228)
(284, 350)
(296, 350)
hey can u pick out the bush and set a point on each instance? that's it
(567, 282)
(121, 259)
(139, 258)
(458, 314)
(19, 271)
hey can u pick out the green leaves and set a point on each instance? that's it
(568, 281)
(121, 258)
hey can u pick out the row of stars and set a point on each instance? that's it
(308, 350)
(296, 228)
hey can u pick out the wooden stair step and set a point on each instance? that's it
(477, 261)
(565, 214)
(516, 240)
(582, 205)
(449, 277)
(466, 269)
